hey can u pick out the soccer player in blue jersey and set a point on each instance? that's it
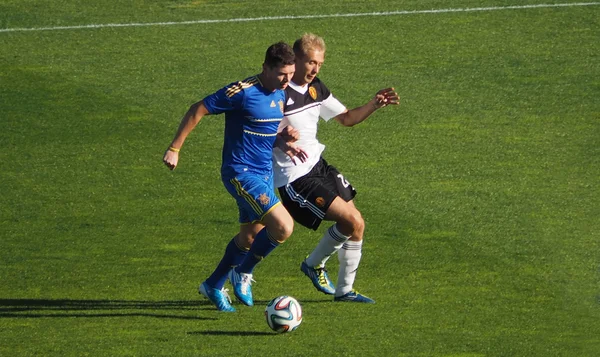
(253, 110)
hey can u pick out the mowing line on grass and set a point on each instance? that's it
(302, 17)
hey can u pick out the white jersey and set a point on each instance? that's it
(304, 106)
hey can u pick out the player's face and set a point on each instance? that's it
(278, 77)
(309, 65)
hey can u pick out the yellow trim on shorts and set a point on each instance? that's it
(261, 217)
(269, 210)
(242, 193)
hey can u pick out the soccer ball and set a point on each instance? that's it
(284, 314)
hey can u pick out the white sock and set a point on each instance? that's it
(349, 257)
(331, 242)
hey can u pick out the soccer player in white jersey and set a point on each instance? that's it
(313, 190)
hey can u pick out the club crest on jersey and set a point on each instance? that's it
(281, 105)
(313, 92)
(264, 199)
(320, 201)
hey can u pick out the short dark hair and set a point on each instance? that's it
(279, 54)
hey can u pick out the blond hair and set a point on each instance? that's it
(308, 42)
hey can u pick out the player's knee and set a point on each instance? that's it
(358, 222)
(354, 224)
(283, 230)
(244, 240)
(287, 230)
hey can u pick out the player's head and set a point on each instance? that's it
(310, 55)
(278, 67)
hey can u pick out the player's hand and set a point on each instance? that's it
(387, 96)
(294, 152)
(170, 159)
(289, 134)
(285, 142)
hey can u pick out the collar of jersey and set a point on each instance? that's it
(298, 88)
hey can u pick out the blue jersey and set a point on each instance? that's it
(252, 115)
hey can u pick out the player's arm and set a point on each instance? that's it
(384, 97)
(285, 142)
(188, 123)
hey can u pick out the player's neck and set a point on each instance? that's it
(300, 82)
(264, 83)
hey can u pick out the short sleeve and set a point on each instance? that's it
(223, 100)
(331, 107)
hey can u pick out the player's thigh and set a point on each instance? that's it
(342, 212)
(339, 183)
(307, 199)
(254, 195)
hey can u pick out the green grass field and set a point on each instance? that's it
(480, 191)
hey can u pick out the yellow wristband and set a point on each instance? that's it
(173, 149)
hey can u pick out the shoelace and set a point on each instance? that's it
(321, 274)
(246, 282)
(247, 279)
(225, 293)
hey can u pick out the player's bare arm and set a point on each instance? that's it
(285, 142)
(188, 123)
(384, 97)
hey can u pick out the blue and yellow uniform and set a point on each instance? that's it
(252, 116)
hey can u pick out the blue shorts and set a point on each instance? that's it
(254, 194)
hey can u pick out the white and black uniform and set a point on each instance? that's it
(308, 188)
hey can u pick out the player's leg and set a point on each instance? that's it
(308, 199)
(340, 209)
(213, 286)
(275, 223)
(236, 250)
(278, 226)
(350, 224)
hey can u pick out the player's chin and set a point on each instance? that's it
(284, 86)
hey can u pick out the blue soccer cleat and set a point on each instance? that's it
(218, 297)
(242, 286)
(354, 296)
(319, 278)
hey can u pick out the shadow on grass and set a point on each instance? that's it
(232, 333)
(37, 308)
(301, 301)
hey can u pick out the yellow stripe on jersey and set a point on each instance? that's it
(236, 88)
(259, 134)
(241, 192)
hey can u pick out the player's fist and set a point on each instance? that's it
(170, 159)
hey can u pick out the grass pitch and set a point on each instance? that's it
(480, 191)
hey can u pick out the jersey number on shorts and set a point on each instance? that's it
(343, 181)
